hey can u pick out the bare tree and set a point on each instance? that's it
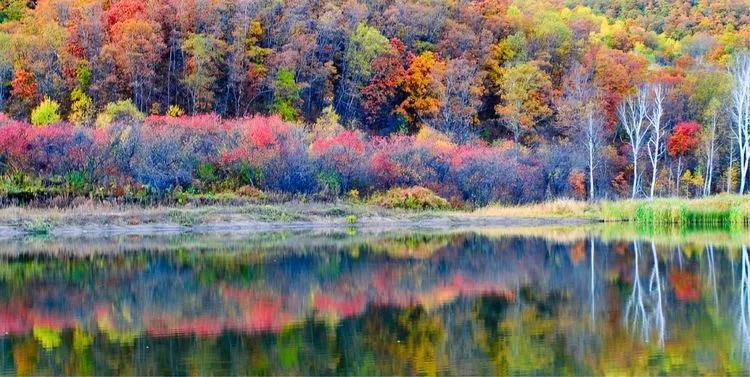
(632, 115)
(593, 138)
(655, 144)
(709, 146)
(740, 108)
(581, 93)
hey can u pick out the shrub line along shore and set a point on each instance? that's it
(92, 218)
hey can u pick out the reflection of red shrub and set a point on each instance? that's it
(340, 306)
(686, 285)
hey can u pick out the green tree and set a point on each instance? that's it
(46, 113)
(286, 95)
(82, 106)
(365, 44)
(205, 54)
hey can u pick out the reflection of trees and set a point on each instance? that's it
(644, 311)
(744, 315)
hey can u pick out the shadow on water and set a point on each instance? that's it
(583, 300)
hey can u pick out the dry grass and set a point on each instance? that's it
(722, 210)
(558, 208)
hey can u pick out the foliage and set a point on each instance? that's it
(119, 111)
(286, 95)
(416, 197)
(484, 73)
(684, 138)
(46, 113)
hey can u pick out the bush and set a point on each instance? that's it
(46, 113)
(118, 112)
(418, 198)
(342, 162)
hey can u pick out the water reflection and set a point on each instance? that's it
(426, 302)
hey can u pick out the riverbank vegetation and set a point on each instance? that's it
(406, 104)
(715, 211)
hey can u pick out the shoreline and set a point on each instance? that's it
(93, 220)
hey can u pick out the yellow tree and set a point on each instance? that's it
(422, 88)
(524, 93)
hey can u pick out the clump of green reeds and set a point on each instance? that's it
(722, 211)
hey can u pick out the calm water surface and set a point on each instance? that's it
(475, 302)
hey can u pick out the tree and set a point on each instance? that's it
(382, 94)
(6, 66)
(740, 109)
(135, 48)
(246, 67)
(684, 138)
(461, 99)
(24, 88)
(365, 44)
(46, 113)
(286, 95)
(709, 146)
(82, 106)
(422, 89)
(655, 144)
(119, 111)
(579, 110)
(205, 54)
(632, 113)
(524, 95)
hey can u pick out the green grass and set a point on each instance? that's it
(719, 211)
(37, 228)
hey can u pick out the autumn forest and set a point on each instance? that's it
(474, 101)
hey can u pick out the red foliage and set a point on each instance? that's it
(684, 138)
(379, 95)
(121, 11)
(259, 139)
(23, 84)
(577, 180)
(346, 140)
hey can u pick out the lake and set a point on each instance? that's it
(484, 301)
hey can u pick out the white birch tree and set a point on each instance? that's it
(655, 144)
(631, 113)
(740, 109)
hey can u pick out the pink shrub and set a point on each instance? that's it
(341, 161)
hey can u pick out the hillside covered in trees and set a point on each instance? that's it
(477, 100)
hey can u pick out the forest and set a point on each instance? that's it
(478, 101)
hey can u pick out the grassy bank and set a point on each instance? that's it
(714, 211)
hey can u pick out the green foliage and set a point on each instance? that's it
(205, 55)
(46, 113)
(286, 95)
(119, 111)
(83, 76)
(37, 228)
(82, 107)
(365, 44)
(206, 173)
(12, 10)
(330, 182)
(77, 182)
(414, 198)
